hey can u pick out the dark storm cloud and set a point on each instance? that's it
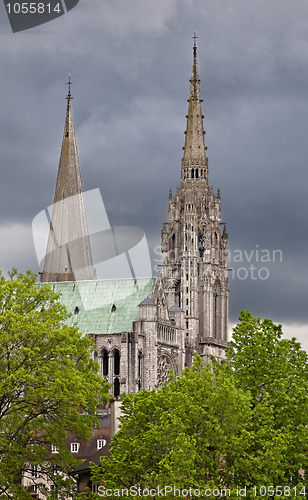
(130, 63)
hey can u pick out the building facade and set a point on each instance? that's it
(142, 328)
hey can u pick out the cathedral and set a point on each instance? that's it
(144, 327)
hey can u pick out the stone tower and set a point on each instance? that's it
(68, 255)
(194, 246)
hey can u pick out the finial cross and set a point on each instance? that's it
(69, 83)
(195, 39)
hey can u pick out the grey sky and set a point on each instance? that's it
(130, 62)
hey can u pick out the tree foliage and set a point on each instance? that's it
(48, 385)
(275, 372)
(242, 424)
(180, 434)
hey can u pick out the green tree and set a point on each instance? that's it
(179, 435)
(275, 372)
(48, 385)
(242, 424)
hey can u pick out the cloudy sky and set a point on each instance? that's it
(130, 62)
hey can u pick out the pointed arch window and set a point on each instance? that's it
(217, 310)
(116, 362)
(105, 362)
(215, 239)
(140, 370)
(172, 247)
(201, 244)
(116, 387)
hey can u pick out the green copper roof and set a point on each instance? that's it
(104, 306)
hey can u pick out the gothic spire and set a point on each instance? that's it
(68, 256)
(194, 149)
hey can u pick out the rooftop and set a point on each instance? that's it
(104, 306)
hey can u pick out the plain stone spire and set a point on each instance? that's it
(68, 255)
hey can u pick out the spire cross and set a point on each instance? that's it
(69, 83)
(195, 39)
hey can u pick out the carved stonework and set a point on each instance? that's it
(163, 368)
(198, 246)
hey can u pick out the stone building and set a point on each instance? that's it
(144, 327)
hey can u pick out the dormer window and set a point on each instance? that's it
(75, 447)
(101, 443)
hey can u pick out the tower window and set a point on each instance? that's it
(201, 244)
(116, 387)
(197, 173)
(113, 309)
(76, 310)
(105, 363)
(192, 173)
(116, 358)
(139, 364)
(173, 243)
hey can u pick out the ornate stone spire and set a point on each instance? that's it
(194, 149)
(68, 256)
(194, 266)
